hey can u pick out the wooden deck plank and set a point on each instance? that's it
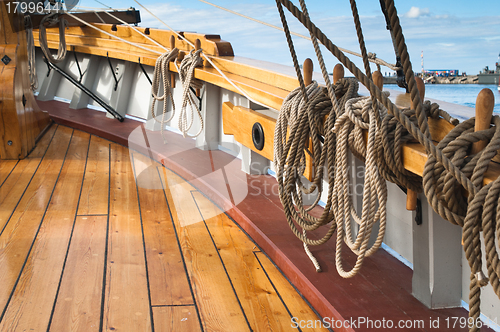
(94, 199)
(6, 166)
(18, 236)
(176, 318)
(31, 304)
(217, 303)
(78, 304)
(126, 305)
(262, 304)
(295, 303)
(14, 187)
(167, 277)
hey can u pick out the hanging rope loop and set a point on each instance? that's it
(52, 19)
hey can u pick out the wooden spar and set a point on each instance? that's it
(411, 196)
(21, 119)
(131, 16)
(485, 103)
(307, 69)
(197, 46)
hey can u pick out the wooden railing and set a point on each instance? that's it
(264, 82)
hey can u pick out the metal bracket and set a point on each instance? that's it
(144, 71)
(79, 69)
(112, 71)
(418, 213)
(6, 60)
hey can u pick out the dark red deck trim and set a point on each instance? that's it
(382, 290)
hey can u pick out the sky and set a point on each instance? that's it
(460, 34)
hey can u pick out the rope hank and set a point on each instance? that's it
(61, 52)
(162, 74)
(449, 167)
(31, 53)
(186, 74)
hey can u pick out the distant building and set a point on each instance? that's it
(442, 72)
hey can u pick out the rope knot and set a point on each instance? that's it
(481, 279)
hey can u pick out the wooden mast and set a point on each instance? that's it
(21, 120)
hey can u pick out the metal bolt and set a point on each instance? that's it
(9, 143)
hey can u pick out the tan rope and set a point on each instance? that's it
(61, 52)
(31, 57)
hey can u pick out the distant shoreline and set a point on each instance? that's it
(468, 79)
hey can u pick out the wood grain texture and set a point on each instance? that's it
(6, 167)
(18, 235)
(15, 185)
(33, 298)
(217, 302)
(78, 304)
(260, 301)
(126, 306)
(94, 198)
(295, 303)
(177, 318)
(167, 277)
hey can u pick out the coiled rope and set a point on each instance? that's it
(51, 19)
(31, 53)
(449, 166)
(189, 83)
(162, 74)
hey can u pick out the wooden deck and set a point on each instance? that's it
(94, 237)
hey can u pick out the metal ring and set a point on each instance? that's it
(258, 136)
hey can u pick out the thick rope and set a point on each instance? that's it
(31, 58)
(186, 74)
(162, 74)
(61, 52)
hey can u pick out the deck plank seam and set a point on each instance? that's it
(143, 243)
(275, 289)
(38, 230)
(202, 327)
(104, 270)
(221, 260)
(27, 186)
(70, 237)
(12, 170)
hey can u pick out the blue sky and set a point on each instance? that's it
(463, 35)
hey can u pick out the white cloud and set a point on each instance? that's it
(415, 12)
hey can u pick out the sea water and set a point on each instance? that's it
(463, 94)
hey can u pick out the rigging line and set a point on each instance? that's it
(137, 30)
(103, 4)
(113, 36)
(374, 60)
(206, 57)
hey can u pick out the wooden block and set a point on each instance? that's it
(94, 197)
(167, 277)
(178, 319)
(33, 298)
(217, 303)
(78, 305)
(125, 308)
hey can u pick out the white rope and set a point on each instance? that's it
(206, 57)
(113, 36)
(372, 56)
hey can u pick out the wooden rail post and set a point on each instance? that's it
(485, 103)
(307, 70)
(197, 46)
(411, 196)
(338, 72)
(172, 75)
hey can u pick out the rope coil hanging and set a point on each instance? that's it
(189, 83)
(51, 19)
(449, 166)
